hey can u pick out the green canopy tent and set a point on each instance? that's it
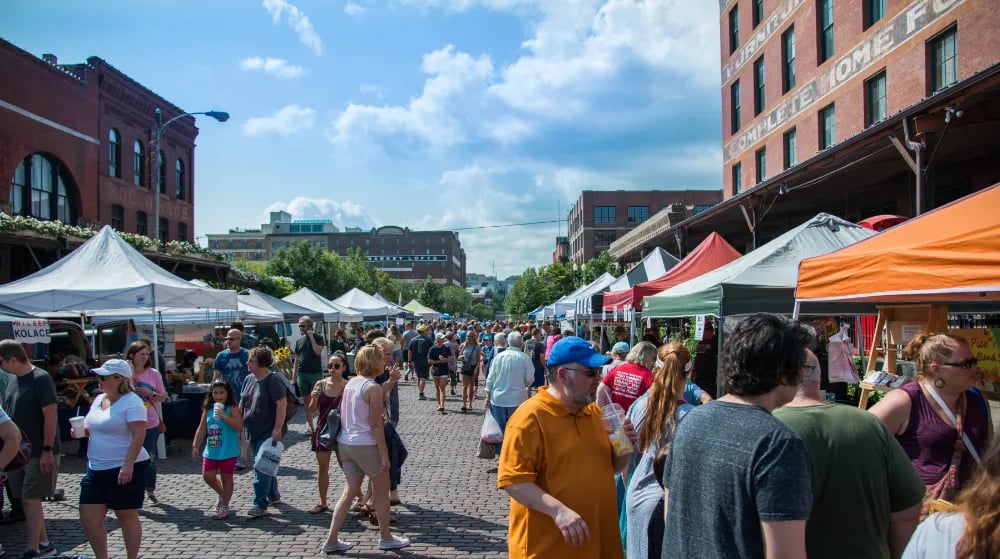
(761, 281)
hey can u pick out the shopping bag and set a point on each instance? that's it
(269, 457)
(490, 432)
(487, 451)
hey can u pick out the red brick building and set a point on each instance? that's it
(76, 146)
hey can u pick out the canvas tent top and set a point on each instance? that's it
(332, 312)
(288, 312)
(379, 296)
(563, 304)
(951, 254)
(711, 253)
(653, 265)
(422, 311)
(760, 281)
(367, 305)
(583, 303)
(107, 273)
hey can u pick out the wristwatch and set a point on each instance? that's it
(46, 448)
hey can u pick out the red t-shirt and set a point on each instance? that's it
(627, 382)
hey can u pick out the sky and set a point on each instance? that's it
(467, 115)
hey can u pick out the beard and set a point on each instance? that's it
(583, 397)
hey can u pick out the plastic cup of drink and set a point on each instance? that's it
(219, 408)
(78, 429)
(614, 417)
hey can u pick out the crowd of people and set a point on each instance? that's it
(769, 469)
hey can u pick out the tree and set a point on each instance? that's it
(310, 266)
(526, 294)
(595, 267)
(557, 280)
(480, 311)
(455, 300)
(407, 291)
(430, 294)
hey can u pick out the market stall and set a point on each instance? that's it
(421, 311)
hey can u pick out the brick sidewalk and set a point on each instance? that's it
(451, 505)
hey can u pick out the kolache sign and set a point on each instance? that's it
(26, 330)
(916, 17)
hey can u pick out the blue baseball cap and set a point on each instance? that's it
(572, 349)
(620, 347)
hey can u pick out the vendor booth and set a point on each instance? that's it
(370, 307)
(332, 312)
(421, 311)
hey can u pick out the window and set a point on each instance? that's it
(760, 157)
(758, 12)
(788, 139)
(603, 238)
(604, 214)
(140, 223)
(737, 178)
(824, 11)
(117, 217)
(758, 86)
(138, 167)
(179, 179)
(164, 228)
(734, 106)
(827, 126)
(734, 29)
(114, 153)
(182, 233)
(943, 62)
(41, 189)
(161, 164)
(637, 214)
(788, 60)
(874, 11)
(875, 108)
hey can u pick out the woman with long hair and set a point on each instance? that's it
(220, 426)
(148, 383)
(326, 396)
(472, 356)
(655, 416)
(626, 382)
(942, 424)
(363, 452)
(972, 531)
(397, 343)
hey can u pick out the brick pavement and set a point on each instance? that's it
(451, 508)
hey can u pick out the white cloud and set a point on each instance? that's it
(285, 122)
(276, 66)
(353, 9)
(343, 214)
(433, 118)
(372, 89)
(297, 20)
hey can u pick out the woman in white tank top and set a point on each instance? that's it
(362, 450)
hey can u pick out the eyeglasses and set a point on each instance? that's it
(969, 363)
(590, 372)
(106, 377)
(335, 366)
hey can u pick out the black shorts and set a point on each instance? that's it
(100, 487)
(406, 356)
(423, 372)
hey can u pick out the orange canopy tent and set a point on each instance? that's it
(710, 254)
(951, 254)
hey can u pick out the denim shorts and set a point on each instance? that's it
(100, 487)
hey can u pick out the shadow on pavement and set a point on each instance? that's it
(441, 528)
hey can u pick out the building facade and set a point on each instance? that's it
(599, 217)
(800, 76)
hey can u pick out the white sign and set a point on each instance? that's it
(31, 330)
(399, 321)
(699, 327)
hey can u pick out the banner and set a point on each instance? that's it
(985, 346)
(30, 330)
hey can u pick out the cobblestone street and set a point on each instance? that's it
(451, 507)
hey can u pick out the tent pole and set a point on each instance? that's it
(795, 311)
(161, 441)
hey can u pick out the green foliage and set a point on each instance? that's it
(596, 267)
(480, 311)
(277, 286)
(430, 294)
(526, 294)
(311, 266)
(407, 291)
(455, 300)
(557, 280)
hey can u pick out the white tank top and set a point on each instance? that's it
(355, 415)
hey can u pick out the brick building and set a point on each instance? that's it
(856, 108)
(75, 146)
(599, 217)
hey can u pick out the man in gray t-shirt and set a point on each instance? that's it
(737, 479)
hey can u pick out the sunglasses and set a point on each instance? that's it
(106, 377)
(590, 372)
(336, 366)
(969, 363)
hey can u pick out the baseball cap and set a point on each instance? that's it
(572, 349)
(114, 367)
(620, 348)
(439, 336)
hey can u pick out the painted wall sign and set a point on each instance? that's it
(410, 258)
(760, 36)
(873, 49)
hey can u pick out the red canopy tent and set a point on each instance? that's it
(712, 253)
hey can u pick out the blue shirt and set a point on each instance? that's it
(232, 366)
(221, 440)
(692, 393)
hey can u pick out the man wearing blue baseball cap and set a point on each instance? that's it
(558, 466)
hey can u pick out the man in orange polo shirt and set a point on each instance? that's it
(558, 466)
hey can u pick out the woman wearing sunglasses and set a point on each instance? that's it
(941, 422)
(325, 396)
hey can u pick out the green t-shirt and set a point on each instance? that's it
(860, 476)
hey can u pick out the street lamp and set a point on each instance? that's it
(158, 129)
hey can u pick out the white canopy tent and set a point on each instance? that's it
(332, 312)
(369, 306)
(422, 311)
(583, 302)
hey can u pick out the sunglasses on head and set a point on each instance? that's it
(967, 364)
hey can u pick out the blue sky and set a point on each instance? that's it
(430, 114)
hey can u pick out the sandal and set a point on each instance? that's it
(319, 508)
(222, 514)
(358, 506)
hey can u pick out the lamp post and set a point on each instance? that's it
(158, 129)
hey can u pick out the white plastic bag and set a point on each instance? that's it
(269, 457)
(490, 432)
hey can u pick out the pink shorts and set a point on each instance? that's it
(225, 467)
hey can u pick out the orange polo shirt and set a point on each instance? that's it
(568, 455)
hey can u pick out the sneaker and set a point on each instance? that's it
(395, 543)
(47, 550)
(421, 397)
(341, 545)
(274, 502)
(152, 499)
(256, 512)
(491, 470)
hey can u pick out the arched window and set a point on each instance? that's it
(179, 175)
(162, 166)
(115, 154)
(42, 189)
(138, 166)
